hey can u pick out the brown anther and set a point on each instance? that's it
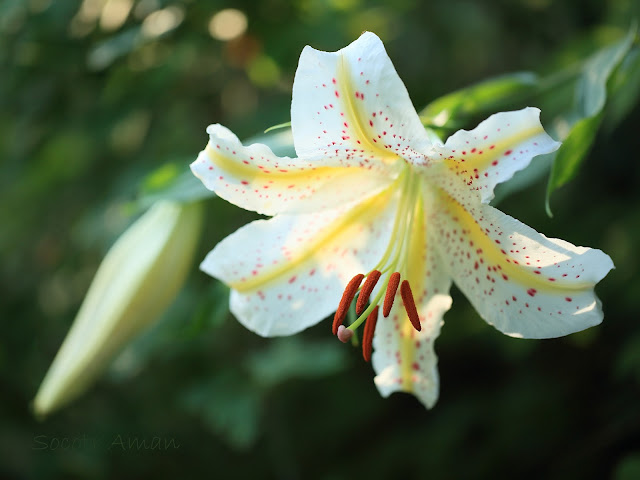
(367, 335)
(410, 305)
(390, 296)
(366, 290)
(345, 302)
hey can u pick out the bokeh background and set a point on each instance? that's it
(100, 98)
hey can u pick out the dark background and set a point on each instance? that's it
(91, 103)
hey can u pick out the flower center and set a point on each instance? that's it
(389, 273)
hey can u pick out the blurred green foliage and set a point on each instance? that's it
(585, 116)
(103, 106)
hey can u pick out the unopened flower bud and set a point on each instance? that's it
(136, 282)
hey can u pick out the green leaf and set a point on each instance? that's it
(228, 405)
(571, 153)
(585, 119)
(107, 52)
(280, 142)
(624, 89)
(212, 311)
(628, 468)
(487, 96)
(292, 357)
(279, 126)
(591, 91)
(173, 181)
(627, 366)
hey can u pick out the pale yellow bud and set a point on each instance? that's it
(135, 283)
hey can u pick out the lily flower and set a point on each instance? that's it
(372, 196)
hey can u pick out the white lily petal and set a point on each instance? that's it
(351, 105)
(254, 178)
(521, 282)
(403, 358)
(288, 273)
(497, 148)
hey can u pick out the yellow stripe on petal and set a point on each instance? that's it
(250, 172)
(360, 214)
(521, 282)
(416, 273)
(352, 106)
(492, 255)
(288, 272)
(254, 178)
(356, 115)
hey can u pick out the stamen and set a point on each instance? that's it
(347, 298)
(367, 335)
(390, 296)
(366, 290)
(344, 334)
(410, 305)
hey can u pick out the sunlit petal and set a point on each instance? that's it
(497, 148)
(352, 105)
(254, 178)
(288, 273)
(521, 282)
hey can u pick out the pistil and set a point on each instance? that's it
(386, 275)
